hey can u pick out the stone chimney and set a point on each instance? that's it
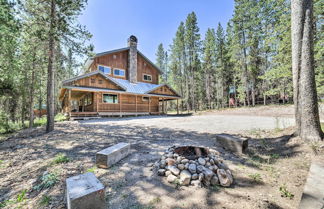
(132, 59)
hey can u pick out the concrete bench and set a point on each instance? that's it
(232, 143)
(313, 195)
(111, 155)
(85, 192)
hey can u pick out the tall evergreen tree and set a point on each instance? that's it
(192, 51)
(209, 65)
(305, 95)
(160, 61)
(177, 65)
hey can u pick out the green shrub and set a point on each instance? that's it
(40, 121)
(48, 180)
(21, 197)
(61, 158)
(92, 170)
(285, 193)
(256, 177)
(45, 200)
(60, 117)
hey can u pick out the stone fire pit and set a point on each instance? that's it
(193, 165)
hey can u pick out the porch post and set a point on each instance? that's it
(177, 106)
(69, 103)
(166, 106)
(159, 105)
(120, 105)
(162, 105)
(149, 105)
(136, 104)
(97, 100)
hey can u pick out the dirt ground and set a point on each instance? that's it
(274, 160)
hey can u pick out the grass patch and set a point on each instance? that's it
(92, 169)
(45, 201)
(40, 121)
(48, 180)
(2, 165)
(7, 127)
(61, 158)
(315, 147)
(21, 198)
(256, 132)
(285, 193)
(215, 188)
(256, 177)
(155, 200)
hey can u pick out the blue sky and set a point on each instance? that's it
(152, 21)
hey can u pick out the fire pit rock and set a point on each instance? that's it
(193, 165)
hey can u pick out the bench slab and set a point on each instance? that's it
(85, 191)
(233, 143)
(111, 155)
(313, 195)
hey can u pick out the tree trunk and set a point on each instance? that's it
(305, 95)
(31, 96)
(50, 73)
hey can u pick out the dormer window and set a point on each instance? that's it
(147, 77)
(119, 72)
(104, 69)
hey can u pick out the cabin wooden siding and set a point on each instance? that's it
(143, 67)
(121, 62)
(164, 90)
(126, 103)
(116, 60)
(95, 81)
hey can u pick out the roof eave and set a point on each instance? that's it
(91, 74)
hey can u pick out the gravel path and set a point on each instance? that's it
(201, 123)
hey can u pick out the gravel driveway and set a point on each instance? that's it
(211, 123)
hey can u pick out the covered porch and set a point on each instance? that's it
(81, 103)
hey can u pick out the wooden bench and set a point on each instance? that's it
(111, 155)
(233, 143)
(85, 191)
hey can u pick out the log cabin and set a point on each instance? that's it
(117, 82)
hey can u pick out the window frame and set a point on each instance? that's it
(120, 69)
(110, 102)
(106, 67)
(144, 74)
(144, 100)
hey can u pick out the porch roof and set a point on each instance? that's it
(93, 89)
(128, 87)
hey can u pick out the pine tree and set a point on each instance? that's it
(160, 62)
(209, 65)
(305, 96)
(192, 51)
(177, 65)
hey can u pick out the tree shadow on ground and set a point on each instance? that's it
(131, 183)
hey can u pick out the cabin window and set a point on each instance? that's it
(110, 98)
(104, 69)
(88, 99)
(100, 81)
(119, 72)
(145, 99)
(114, 56)
(147, 77)
(93, 80)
